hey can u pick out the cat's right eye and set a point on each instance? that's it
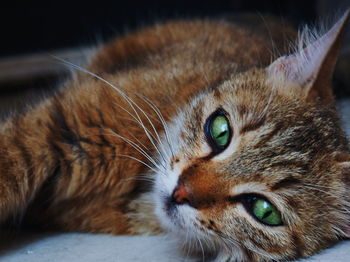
(217, 130)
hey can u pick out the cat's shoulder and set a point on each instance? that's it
(246, 31)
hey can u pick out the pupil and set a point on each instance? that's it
(222, 134)
(267, 214)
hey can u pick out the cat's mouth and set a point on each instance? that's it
(179, 216)
(173, 212)
(170, 207)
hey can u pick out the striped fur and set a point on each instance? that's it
(106, 152)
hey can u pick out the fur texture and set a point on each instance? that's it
(109, 150)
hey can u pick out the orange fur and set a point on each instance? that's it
(67, 163)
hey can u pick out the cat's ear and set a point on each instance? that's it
(312, 66)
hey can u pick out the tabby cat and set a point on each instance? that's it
(187, 127)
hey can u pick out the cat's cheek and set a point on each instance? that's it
(162, 217)
(163, 187)
(179, 220)
(165, 182)
(230, 256)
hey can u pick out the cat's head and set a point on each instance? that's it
(259, 167)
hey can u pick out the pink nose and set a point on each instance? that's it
(180, 194)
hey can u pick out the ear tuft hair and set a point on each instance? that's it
(312, 65)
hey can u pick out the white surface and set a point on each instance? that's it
(105, 248)
(89, 248)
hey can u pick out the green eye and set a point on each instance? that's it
(265, 212)
(218, 131)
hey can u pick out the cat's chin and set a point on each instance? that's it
(176, 218)
(179, 219)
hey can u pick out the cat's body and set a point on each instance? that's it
(74, 162)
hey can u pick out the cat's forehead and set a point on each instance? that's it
(260, 118)
(246, 96)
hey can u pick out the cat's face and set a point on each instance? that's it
(253, 172)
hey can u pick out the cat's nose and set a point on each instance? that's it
(180, 194)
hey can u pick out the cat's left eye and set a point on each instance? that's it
(263, 210)
(218, 131)
(266, 212)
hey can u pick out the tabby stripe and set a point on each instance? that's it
(7, 176)
(285, 183)
(248, 254)
(266, 138)
(90, 142)
(242, 110)
(257, 243)
(27, 157)
(103, 122)
(67, 134)
(291, 164)
(61, 157)
(299, 245)
(251, 126)
(46, 193)
(104, 140)
(91, 123)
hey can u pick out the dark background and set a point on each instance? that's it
(31, 29)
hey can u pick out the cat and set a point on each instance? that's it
(193, 128)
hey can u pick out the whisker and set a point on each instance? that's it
(186, 243)
(127, 99)
(201, 246)
(239, 245)
(137, 147)
(320, 186)
(138, 178)
(319, 190)
(155, 131)
(139, 142)
(273, 92)
(137, 121)
(138, 160)
(161, 118)
(274, 50)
